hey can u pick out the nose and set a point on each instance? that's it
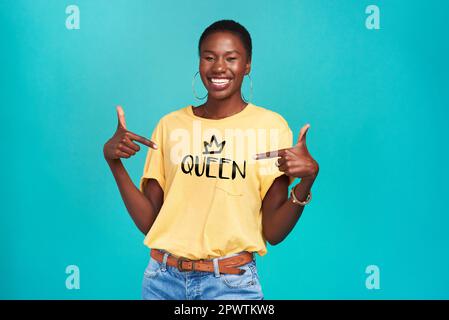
(218, 66)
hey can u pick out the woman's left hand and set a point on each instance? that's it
(295, 161)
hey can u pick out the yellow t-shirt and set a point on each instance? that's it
(213, 188)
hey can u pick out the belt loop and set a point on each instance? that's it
(164, 262)
(216, 267)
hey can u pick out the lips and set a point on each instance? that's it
(219, 83)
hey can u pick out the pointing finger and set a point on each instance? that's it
(142, 140)
(269, 154)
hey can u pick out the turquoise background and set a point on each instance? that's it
(377, 102)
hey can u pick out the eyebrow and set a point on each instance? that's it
(230, 51)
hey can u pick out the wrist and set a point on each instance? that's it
(309, 179)
(305, 194)
(113, 162)
(300, 191)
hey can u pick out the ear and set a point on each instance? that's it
(248, 66)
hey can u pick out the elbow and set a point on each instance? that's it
(271, 240)
(274, 242)
(270, 234)
(267, 236)
(145, 228)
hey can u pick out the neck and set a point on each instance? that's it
(217, 109)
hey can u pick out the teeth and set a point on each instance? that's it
(221, 81)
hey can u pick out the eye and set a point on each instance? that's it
(208, 58)
(232, 58)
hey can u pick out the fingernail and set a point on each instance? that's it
(255, 157)
(155, 146)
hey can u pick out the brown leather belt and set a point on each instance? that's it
(226, 265)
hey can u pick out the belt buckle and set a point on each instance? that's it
(180, 260)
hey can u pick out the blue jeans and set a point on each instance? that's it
(164, 282)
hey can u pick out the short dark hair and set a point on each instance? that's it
(229, 26)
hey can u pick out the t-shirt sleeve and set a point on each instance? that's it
(268, 171)
(154, 163)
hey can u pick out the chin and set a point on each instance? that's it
(219, 95)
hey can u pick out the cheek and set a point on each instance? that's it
(238, 81)
(239, 72)
(238, 69)
(205, 66)
(203, 71)
(202, 68)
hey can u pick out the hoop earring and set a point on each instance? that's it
(193, 87)
(251, 90)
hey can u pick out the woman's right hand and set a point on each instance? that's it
(121, 144)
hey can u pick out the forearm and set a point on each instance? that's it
(139, 207)
(280, 223)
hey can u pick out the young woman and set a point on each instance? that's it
(215, 183)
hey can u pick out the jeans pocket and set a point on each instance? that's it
(153, 269)
(241, 280)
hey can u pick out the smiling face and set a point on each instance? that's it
(223, 64)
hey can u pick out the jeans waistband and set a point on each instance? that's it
(219, 258)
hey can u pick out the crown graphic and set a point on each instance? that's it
(208, 146)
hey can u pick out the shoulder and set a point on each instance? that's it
(271, 117)
(172, 116)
